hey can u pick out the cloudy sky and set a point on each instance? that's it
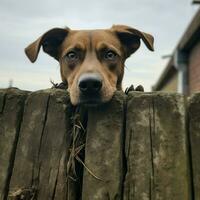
(23, 21)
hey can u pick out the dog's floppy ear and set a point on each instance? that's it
(50, 41)
(130, 38)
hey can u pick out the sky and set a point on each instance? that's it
(23, 21)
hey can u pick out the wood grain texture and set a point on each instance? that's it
(103, 152)
(194, 130)
(156, 148)
(43, 145)
(11, 111)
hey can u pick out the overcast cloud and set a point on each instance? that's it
(24, 21)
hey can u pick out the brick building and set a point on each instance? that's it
(182, 73)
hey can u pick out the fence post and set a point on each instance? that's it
(194, 130)
(39, 168)
(103, 151)
(156, 149)
(11, 111)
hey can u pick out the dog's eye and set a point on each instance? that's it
(72, 56)
(110, 55)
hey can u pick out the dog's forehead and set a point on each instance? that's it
(93, 37)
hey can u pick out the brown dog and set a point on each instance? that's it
(91, 61)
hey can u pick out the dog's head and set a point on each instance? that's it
(91, 61)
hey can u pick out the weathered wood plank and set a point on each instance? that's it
(11, 111)
(2, 99)
(55, 141)
(43, 145)
(138, 179)
(29, 141)
(170, 156)
(194, 131)
(103, 151)
(157, 164)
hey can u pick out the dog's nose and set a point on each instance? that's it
(90, 83)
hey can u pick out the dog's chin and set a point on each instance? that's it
(90, 102)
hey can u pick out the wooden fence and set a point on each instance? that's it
(141, 146)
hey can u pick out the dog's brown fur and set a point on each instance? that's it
(91, 47)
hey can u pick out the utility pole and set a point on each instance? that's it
(10, 83)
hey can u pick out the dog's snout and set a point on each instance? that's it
(90, 83)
